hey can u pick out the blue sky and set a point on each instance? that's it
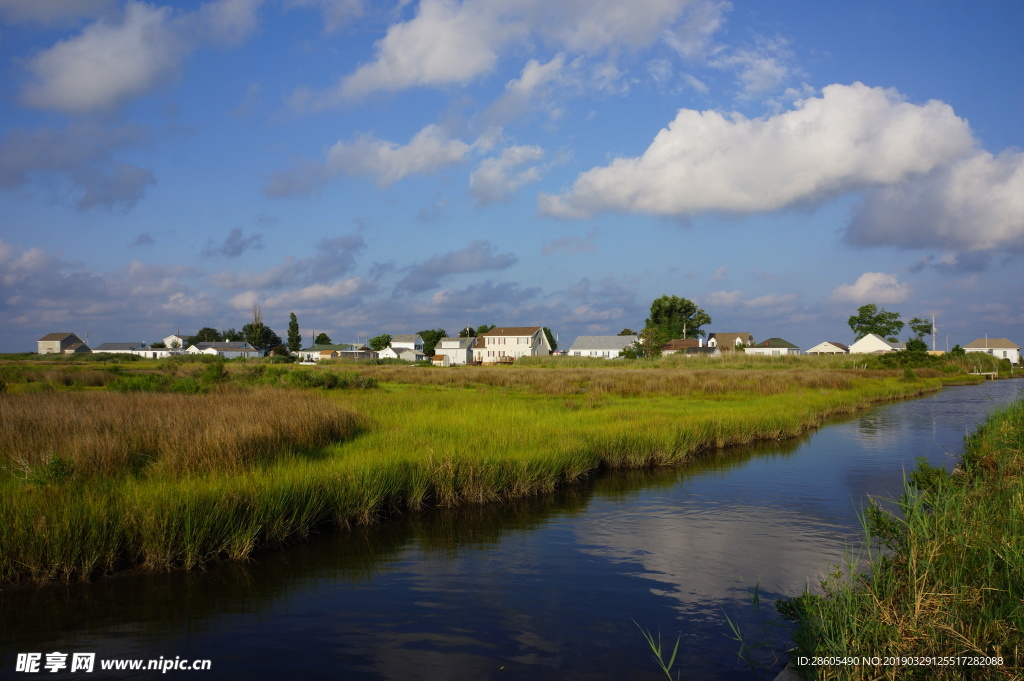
(392, 167)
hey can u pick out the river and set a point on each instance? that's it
(545, 588)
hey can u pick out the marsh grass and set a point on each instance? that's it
(165, 480)
(945, 576)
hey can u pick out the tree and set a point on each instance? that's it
(676, 317)
(627, 332)
(233, 336)
(294, 337)
(551, 338)
(322, 339)
(253, 331)
(648, 344)
(483, 328)
(957, 351)
(872, 319)
(920, 327)
(206, 335)
(175, 344)
(467, 332)
(158, 344)
(431, 337)
(916, 345)
(378, 343)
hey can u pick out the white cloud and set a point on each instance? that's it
(110, 62)
(428, 150)
(498, 177)
(850, 138)
(725, 298)
(973, 204)
(873, 287)
(336, 12)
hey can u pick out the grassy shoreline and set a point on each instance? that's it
(945, 578)
(420, 438)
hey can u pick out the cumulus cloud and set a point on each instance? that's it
(112, 61)
(80, 154)
(725, 298)
(452, 43)
(478, 256)
(973, 204)
(852, 137)
(429, 150)
(873, 287)
(498, 177)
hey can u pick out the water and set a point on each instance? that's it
(541, 589)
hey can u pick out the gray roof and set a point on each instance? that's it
(317, 347)
(56, 336)
(233, 345)
(118, 346)
(602, 343)
(405, 338)
(449, 343)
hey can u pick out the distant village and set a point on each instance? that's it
(503, 345)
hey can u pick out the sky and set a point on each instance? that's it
(381, 167)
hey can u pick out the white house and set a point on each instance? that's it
(457, 350)
(607, 347)
(176, 341)
(407, 341)
(730, 341)
(158, 353)
(1003, 348)
(507, 344)
(873, 343)
(408, 354)
(225, 349)
(829, 348)
(773, 347)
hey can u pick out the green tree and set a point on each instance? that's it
(294, 337)
(431, 337)
(378, 343)
(648, 344)
(920, 327)
(206, 335)
(232, 335)
(322, 339)
(158, 344)
(253, 331)
(484, 328)
(957, 351)
(551, 338)
(676, 317)
(627, 332)
(916, 345)
(872, 319)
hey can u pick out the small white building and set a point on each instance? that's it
(829, 348)
(408, 354)
(607, 347)
(1003, 348)
(773, 347)
(225, 349)
(457, 350)
(874, 344)
(507, 344)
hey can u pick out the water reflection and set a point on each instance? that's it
(545, 588)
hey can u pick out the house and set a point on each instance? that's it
(607, 347)
(121, 348)
(60, 344)
(829, 348)
(507, 344)
(176, 341)
(158, 353)
(1003, 348)
(225, 349)
(356, 351)
(705, 351)
(318, 351)
(440, 360)
(408, 354)
(457, 350)
(680, 345)
(728, 342)
(407, 341)
(773, 347)
(873, 343)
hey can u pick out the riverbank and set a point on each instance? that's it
(942, 592)
(401, 438)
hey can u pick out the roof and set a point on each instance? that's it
(602, 342)
(224, 345)
(727, 341)
(895, 346)
(677, 344)
(56, 336)
(405, 338)
(448, 343)
(319, 347)
(119, 346)
(839, 345)
(776, 343)
(512, 331)
(986, 343)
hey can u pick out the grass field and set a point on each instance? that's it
(166, 466)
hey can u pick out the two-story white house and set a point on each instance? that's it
(407, 341)
(457, 350)
(507, 344)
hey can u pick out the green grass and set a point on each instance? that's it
(945, 576)
(94, 481)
